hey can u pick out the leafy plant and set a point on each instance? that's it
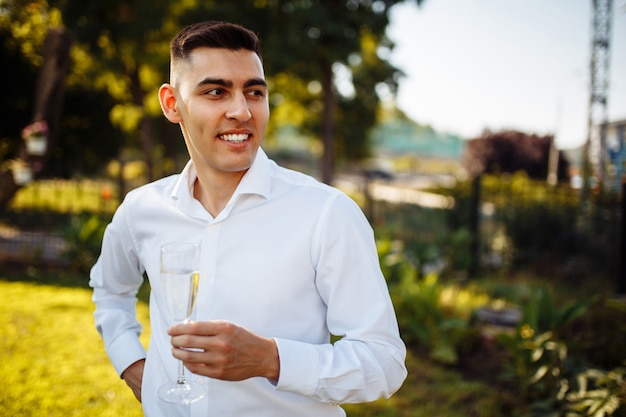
(542, 312)
(535, 369)
(421, 318)
(600, 393)
(84, 237)
(432, 316)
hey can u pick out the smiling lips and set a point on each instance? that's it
(235, 137)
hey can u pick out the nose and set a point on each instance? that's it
(238, 108)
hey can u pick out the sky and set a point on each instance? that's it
(472, 65)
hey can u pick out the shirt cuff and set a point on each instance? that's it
(124, 351)
(299, 367)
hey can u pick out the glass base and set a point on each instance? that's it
(184, 393)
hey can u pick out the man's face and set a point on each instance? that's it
(222, 107)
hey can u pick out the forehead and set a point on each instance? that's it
(237, 66)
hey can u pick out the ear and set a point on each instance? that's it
(167, 98)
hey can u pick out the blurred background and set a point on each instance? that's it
(484, 140)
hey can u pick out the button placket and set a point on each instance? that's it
(208, 262)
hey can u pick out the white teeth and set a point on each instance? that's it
(237, 138)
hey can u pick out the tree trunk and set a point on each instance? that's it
(47, 107)
(328, 157)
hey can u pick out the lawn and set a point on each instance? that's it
(53, 360)
(54, 364)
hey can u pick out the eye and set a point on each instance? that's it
(257, 93)
(215, 92)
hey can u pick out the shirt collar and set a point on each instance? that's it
(258, 178)
(183, 187)
(256, 181)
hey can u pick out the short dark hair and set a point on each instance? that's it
(213, 34)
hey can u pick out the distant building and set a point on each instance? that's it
(401, 137)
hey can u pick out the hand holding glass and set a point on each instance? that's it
(179, 285)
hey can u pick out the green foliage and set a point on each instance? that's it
(538, 219)
(432, 317)
(542, 313)
(599, 335)
(536, 368)
(56, 197)
(120, 58)
(552, 379)
(600, 393)
(422, 320)
(84, 237)
(456, 250)
(528, 224)
(89, 139)
(550, 386)
(420, 234)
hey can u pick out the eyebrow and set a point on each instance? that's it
(227, 83)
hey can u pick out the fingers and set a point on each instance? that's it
(205, 336)
(204, 328)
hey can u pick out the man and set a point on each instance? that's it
(286, 261)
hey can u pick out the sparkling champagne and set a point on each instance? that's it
(181, 289)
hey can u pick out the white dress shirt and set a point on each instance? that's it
(288, 258)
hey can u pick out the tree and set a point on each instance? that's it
(121, 50)
(314, 36)
(45, 114)
(125, 50)
(307, 40)
(511, 151)
(358, 113)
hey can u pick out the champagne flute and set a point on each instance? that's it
(179, 285)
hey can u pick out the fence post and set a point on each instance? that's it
(475, 226)
(621, 284)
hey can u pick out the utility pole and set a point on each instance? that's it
(594, 150)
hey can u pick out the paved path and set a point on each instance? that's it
(21, 246)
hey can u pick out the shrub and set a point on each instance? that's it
(84, 238)
(432, 316)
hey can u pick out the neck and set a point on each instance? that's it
(214, 193)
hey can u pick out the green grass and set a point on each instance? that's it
(54, 364)
(53, 360)
(433, 391)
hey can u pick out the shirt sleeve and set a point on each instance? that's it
(368, 360)
(116, 278)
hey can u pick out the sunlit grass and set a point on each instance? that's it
(53, 361)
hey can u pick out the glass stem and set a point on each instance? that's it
(181, 374)
(181, 368)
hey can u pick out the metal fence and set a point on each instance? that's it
(517, 220)
(32, 227)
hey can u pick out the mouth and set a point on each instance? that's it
(235, 137)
